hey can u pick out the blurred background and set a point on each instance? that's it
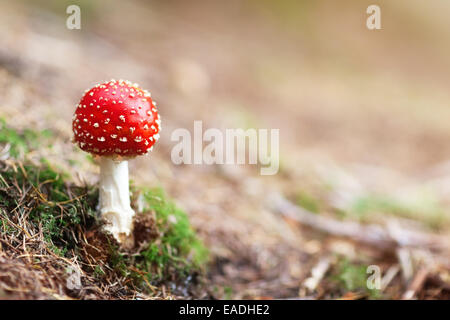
(363, 118)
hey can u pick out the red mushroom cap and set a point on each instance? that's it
(116, 118)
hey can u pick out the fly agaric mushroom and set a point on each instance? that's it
(116, 121)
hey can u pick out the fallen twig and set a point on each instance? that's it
(416, 284)
(406, 264)
(374, 235)
(317, 274)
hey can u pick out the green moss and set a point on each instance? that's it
(61, 211)
(98, 272)
(228, 291)
(424, 207)
(6, 227)
(353, 277)
(118, 260)
(308, 202)
(177, 251)
(178, 237)
(53, 209)
(66, 214)
(23, 141)
(90, 158)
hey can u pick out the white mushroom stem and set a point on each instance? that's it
(115, 197)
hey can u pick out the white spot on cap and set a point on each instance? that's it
(123, 139)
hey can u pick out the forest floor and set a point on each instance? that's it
(364, 177)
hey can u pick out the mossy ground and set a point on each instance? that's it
(46, 221)
(352, 277)
(52, 244)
